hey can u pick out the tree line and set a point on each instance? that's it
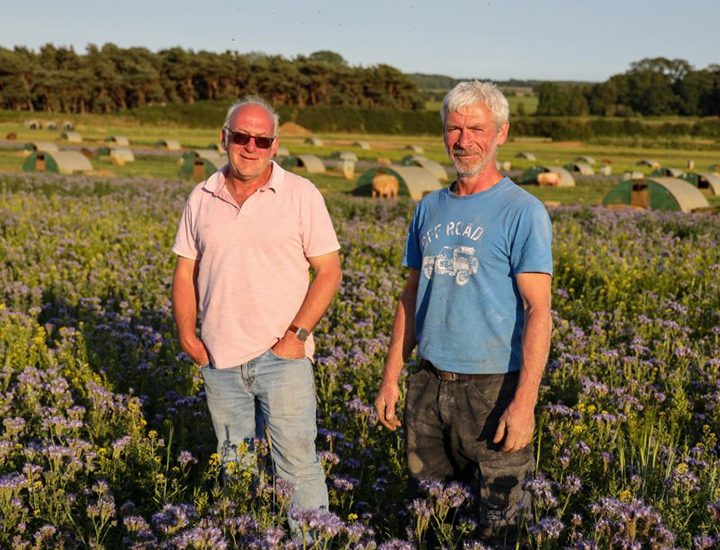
(110, 79)
(650, 87)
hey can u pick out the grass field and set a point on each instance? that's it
(153, 162)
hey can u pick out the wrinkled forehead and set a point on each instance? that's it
(477, 112)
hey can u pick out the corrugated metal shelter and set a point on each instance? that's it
(413, 181)
(118, 140)
(121, 155)
(415, 149)
(32, 124)
(344, 155)
(666, 172)
(169, 144)
(526, 155)
(362, 144)
(529, 176)
(435, 168)
(200, 164)
(586, 159)
(316, 142)
(62, 162)
(51, 125)
(580, 167)
(67, 125)
(657, 193)
(70, 136)
(704, 180)
(648, 162)
(210, 154)
(311, 163)
(41, 146)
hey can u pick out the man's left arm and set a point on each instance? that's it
(320, 293)
(517, 423)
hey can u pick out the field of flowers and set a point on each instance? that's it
(106, 441)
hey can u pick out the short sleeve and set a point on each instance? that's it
(318, 233)
(531, 250)
(185, 243)
(412, 256)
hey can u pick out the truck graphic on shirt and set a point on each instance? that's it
(459, 262)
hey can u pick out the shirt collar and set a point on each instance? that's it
(215, 183)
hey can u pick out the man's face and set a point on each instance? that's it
(249, 162)
(471, 139)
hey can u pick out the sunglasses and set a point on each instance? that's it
(241, 138)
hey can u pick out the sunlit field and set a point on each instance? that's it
(106, 440)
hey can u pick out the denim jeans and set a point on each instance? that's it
(450, 426)
(284, 390)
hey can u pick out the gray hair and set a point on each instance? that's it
(253, 100)
(466, 94)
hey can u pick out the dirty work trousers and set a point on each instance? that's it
(450, 425)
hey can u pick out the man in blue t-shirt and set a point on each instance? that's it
(477, 306)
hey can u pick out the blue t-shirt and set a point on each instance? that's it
(469, 314)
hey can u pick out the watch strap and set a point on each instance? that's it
(300, 332)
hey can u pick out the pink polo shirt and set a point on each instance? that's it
(253, 268)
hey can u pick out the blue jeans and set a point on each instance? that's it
(284, 390)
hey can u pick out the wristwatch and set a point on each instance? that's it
(300, 332)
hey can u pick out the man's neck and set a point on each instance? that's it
(477, 184)
(241, 189)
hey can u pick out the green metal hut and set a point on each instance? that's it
(121, 141)
(413, 181)
(657, 193)
(578, 167)
(704, 181)
(200, 164)
(529, 176)
(667, 172)
(435, 168)
(60, 162)
(41, 146)
(70, 136)
(312, 163)
(169, 144)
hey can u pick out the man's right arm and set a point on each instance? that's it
(185, 301)
(402, 342)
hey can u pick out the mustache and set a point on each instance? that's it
(460, 152)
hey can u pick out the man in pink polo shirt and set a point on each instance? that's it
(247, 238)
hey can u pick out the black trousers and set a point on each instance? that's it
(450, 425)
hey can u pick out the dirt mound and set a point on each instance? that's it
(292, 129)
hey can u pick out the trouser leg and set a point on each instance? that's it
(502, 501)
(427, 445)
(232, 408)
(286, 394)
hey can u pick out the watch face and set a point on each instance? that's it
(302, 334)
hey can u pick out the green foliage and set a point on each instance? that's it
(575, 128)
(651, 87)
(108, 79)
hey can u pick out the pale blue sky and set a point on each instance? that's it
(496, 39)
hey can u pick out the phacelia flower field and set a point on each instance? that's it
(106, 441)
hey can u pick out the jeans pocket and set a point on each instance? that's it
(280, 358)
(490, 391)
